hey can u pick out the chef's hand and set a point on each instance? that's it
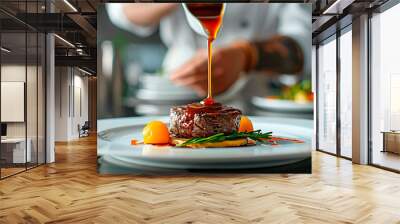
(147, 14)
(227, 64)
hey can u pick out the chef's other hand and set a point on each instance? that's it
(227, 64)
(147, 14)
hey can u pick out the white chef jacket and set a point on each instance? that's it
(241, 21)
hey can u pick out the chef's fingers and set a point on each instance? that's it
(191, 80)
(197, 64)
(187, 71)
(200, 77)
(199, 86)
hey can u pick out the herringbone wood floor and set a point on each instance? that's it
(70, 191)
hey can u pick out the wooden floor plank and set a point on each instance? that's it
(71, 191)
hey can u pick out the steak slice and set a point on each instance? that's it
(198, 120)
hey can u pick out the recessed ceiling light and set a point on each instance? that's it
(337, 7)
(84, 71)
(70, 5)
(5, 50)
(64, 40)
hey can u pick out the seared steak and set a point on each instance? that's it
(197, 120)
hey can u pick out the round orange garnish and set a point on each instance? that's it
(155, 132)
(245, 125)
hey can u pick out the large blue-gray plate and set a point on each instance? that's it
(115, 134)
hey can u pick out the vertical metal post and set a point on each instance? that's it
(316, 96)
(45, 91)
(26, 86)
(73, 91)
(369, 78)
(338, 100)
(50, 92)
(360, 90)
(0, 97)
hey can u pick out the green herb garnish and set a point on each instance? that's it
(254, 135)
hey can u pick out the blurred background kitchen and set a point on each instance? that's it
(140, 65)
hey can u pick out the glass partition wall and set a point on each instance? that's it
(327, 95)
(385, 88)
(22, 77)
(334, 94)
(14, 153)
(345, 93)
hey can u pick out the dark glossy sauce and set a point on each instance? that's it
(200, 108)
(210, 17)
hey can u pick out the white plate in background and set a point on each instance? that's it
(281, 105)
(155, 87)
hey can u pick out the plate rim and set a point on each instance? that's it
(256, 101)
(137, 121)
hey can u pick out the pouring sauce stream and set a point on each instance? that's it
(210, 17)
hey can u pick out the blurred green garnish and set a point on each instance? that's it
(300, 92)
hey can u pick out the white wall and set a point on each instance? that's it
(81, 84)
(69, 82)
(62, 81)
(12, 73)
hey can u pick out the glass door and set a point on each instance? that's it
(15, 149)
(22, 78)
(346, 92)
(326, 100)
